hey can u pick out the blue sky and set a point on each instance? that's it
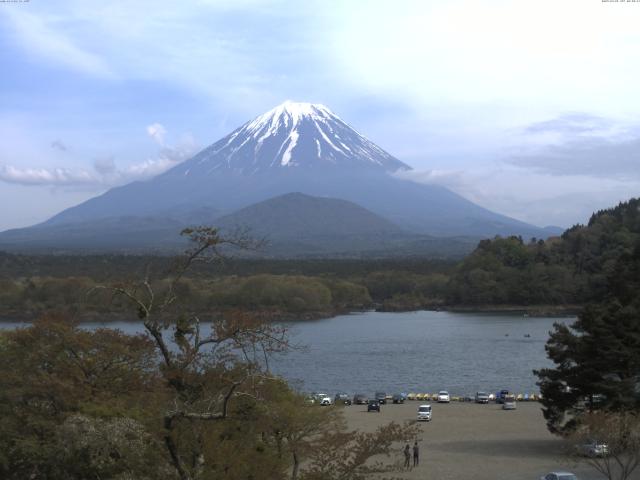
(527, 108)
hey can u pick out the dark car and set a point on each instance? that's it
(381, 397)
(373, 406)
(398, 398)
(360, 399)
(500, 396)
(342, 398)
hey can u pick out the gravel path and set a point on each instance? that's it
(469, 441)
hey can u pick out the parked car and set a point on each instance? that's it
(381, 397)
(559, 476)
(398, 398)
(443, 397)
(500, 396)
(509, 402)
(482, 397)
(360, 399)
(318, 396)
(424, 413)
(593, 448)
(373, 406)
(342, 398)
(325, 400)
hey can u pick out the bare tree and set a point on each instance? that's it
(609, 442)
(204, 366)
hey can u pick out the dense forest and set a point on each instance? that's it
(572, 269)
(563, 272)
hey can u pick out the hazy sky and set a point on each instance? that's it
(528, 107)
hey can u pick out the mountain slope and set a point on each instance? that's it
(299, 216)
(296, 225)
(130, 234)
(293, 225)
(295, 147)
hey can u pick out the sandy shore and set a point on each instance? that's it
(483, 442)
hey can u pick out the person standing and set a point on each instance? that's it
(407, 457)
(416, 454)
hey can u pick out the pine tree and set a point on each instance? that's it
(598, 357)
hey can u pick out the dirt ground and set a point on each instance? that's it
(482, 442)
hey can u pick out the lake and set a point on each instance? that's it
(422, 351)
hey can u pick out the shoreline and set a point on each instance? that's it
(560, 311)
(525, 310)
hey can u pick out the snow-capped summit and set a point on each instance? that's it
(291, 135)
(295, 147)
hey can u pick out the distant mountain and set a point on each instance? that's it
(293, 225)
(300, 216)
(297, 225)
(296, 147)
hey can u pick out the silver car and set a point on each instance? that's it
(424, 413)
(593, 448)
(482, 397)
(509, 402)
(559, 476)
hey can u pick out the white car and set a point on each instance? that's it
(325, 400)
(559, 476)
(424, 413)
(443, 397)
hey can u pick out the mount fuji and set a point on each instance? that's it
(295, 147)
(299, 136)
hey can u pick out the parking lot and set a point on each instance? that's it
(470, 441)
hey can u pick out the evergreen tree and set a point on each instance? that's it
(598, 357)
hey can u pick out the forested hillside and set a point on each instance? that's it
(563, 272)
(571, 269)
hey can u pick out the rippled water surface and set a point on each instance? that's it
(411, 352)
(419, 352)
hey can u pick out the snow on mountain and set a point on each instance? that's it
(291, 135)
(295, 147)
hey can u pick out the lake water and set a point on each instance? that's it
(420, 352)
(411, 352)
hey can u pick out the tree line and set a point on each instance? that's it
(570, 270)
(593, 390)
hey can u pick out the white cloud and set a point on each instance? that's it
(105, 172)
(538, 198)
(537, 54)
(454, 179)
(157, 132)
(580, 144)
(43, 36)
(45, 176)
(233, 53)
